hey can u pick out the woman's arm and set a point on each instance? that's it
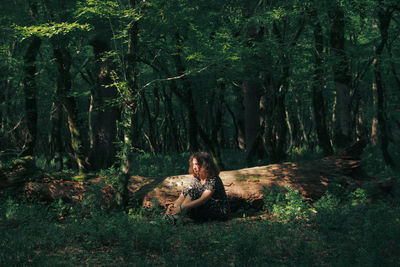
(198, 202)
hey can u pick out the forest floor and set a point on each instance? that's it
(346, 226)
(350, 232)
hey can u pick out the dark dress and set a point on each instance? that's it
(216, 208)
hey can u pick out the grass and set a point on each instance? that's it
(343, 228)
(337, 233)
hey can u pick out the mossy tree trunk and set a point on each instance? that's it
(129, 116)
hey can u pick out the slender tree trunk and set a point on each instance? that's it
(63, 61)
(216, 133)
(129, 116)
(342, 79)
(55, 141)
(103, 110)
(280, 91)
(301, 123)
(151, 123)
(384, 18)
(238, 117)
(374, 126)
(280, 152)
(393, 67)
(251, 114)
(251, 89)
(172, 121)
(30, 93)
(187, 98)
(4, 104)
(317, 95)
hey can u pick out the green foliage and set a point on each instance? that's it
(304, 153)
(285, 206)
(374, 164)
(272, 197)
(160, 165)
(49, 30)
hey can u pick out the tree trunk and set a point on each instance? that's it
(374, 126)
(393, 67)
(251, 89)
(30, 93)
(151, 123)
(187, 99)
(342, 79)
(55, 141)
(302, 127)
(104, 112)
(384, 18)
(238, 118)
(317, 95)
(129, 116)
(4, 104)
(63, 61)
(280, 91)
(172, 121)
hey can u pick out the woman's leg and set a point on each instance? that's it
(187, 199)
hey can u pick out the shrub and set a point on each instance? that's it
(288, 206)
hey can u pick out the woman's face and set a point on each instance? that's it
(196, 167)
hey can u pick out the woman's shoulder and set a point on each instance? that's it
(216, 178)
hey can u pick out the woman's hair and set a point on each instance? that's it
(208, 168)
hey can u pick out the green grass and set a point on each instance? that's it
(337, 233)
(343, 228)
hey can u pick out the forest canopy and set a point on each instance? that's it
(87, 84)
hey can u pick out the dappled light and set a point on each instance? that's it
(199, 133)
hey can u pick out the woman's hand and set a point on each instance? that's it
(175, 210)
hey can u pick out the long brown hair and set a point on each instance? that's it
(208, 168)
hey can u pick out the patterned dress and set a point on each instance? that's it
(216, 208)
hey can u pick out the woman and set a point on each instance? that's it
(205, 199)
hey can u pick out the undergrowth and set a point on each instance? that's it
(343, 228)
(332, 231)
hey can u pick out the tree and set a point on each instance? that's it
(341, 76)
(384, 16)
(317, 95)
(30, 88)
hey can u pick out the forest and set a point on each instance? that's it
(97, 97)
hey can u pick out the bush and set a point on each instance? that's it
(285, 206)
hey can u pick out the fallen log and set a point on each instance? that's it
(310, 178)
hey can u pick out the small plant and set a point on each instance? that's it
(272, 197)
(293, 207)
(286, 206)
(358, 197)
(11, 209)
